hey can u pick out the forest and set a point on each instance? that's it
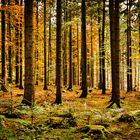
(70, 69)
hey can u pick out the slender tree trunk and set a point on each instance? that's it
(65, 53)
(112, 43)
(78, 58)
(58, 53)
(50, 48)
(84, 52)
(70, 53)
(36, 49)
(45, 51)
(10, 46)
(92, 56)
(100, 47)
(29, 89)
(3, 42)
(129, 51)
(21, 73)
(3, 49)
(17, 46)
(103, 51)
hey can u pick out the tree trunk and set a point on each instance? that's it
(129, 51)
(10, 46)
(17, 45)
(100, 47)
(50, 48)
(36, 49)
(65, 53)
(84, 51)
(92, 57)
(21, 73)
(116, 53)
(78, 58)
(45, 51)
(29, 89)
(3, 42)
(112, 43)
(103, 51)
(58, 53)
(70, 53)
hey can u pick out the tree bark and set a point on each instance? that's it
(84, 51)
(58, 53)
(45, 50)
(29, 90)
(116, 53)
(100, 49)
(129, 50)
(103, 51)
(20, 59)
(70, 53)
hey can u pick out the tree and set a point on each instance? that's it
(20, 59)
(129, 50)
(65, 45)
(36, 49)
(45, 53)
(103, 51)
(3, 50)
(58, 53)
(29, 89)
(70, 51)
(115, 52)
(3, 40)
(100, 49)
(17, 47)
(84, 51)
(10, 3)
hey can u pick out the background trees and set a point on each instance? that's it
(86, 64)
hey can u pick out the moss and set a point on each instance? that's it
(95, 131)
(2, 118)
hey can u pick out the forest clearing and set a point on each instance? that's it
(75, 119)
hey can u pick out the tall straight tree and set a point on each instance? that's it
(29, 89)
(3, 42)
(65, 53)
(10, 3)
(70, 51)
(17, 36)
(49, 47)
(103, 51)
(45, 51)
(100, 45)
(20, 59)
(84, 51)
(116, 59)
(58, 53)
(36, 49)
(92, 54)
(129, 50)
(112, 42)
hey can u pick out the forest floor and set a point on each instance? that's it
(75, 119)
